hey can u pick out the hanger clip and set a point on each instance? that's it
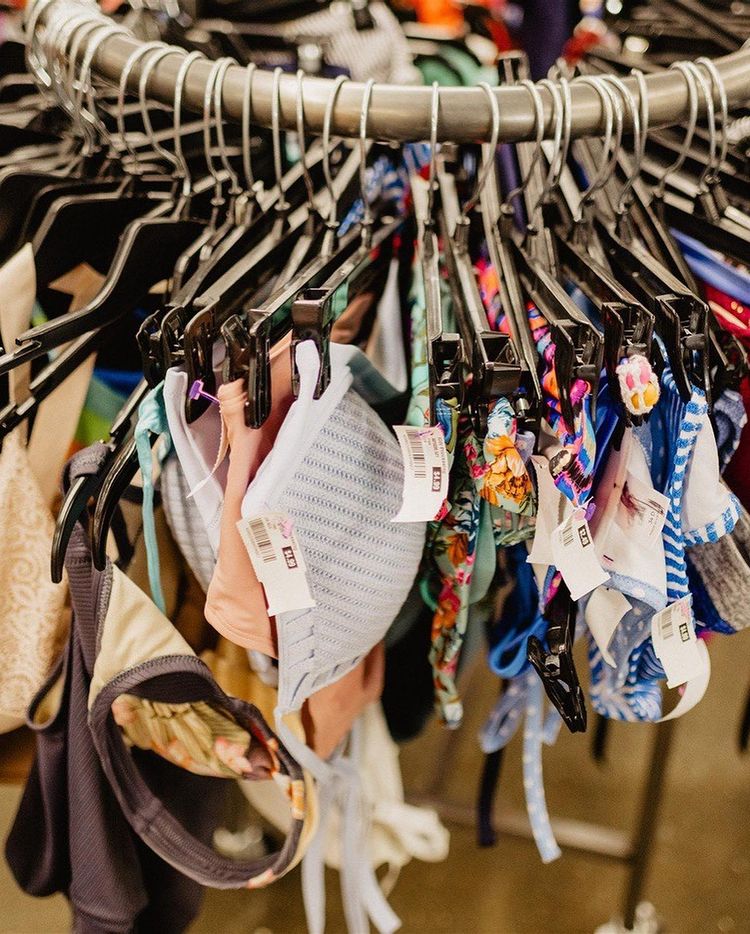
(313, 320)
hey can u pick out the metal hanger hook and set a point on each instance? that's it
(692, 88)
(179, 91)
(489, 163)
(327, 120)
(57, 45)
(208, 102)
(247, 107)
(434, 120)
(559, 117)
(234, 183)
(300, 107)
(147, 68)
(720, 90)
(538, 104)
(122, 88)
(627, 97)
(608, 109)
(86, 82)
(32, 52)
(276, 137)
(709, 169)
(363, 116)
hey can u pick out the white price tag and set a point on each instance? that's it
(575, 557)
(605, 609)
(277, 560)
(642, 510)
(676, 644)
(425, 472)
(548, 513)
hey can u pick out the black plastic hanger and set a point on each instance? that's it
(445, 351)
(554, 663)
(233, 290)
(85, 487)
(491, 355)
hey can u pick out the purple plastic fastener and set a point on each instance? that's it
(196, 391)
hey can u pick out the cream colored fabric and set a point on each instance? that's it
(135, 631)
(32, 609)
(57, 419)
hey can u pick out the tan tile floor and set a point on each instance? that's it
(700, 878)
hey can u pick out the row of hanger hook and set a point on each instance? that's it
(52, 57)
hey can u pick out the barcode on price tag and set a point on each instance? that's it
(425, 462)
(278, 561)
(676, 644)
(575, 557)
(261, 539)
(417, 460)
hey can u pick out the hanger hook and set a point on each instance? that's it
(692, 88)
(208, 97)
(559, 115)
(309, 187)
(608, 109)
(627, 98)
(179, 91)
(276, 137)
(489, 162)
(709, 170)
(46, 49)
(363, 115)
(86, 82)
(639, 151)
(122, 88)
(434, 120)
(720, 90)
(247, 107)
(234, 182)
(147, 68)
(74, 29)
(538, 104)
(327, 120)
(32, 52)
(567, 129)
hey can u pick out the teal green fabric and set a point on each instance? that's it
(152, 419)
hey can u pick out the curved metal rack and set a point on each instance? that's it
(401, 112)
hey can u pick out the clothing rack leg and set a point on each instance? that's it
(643, 840)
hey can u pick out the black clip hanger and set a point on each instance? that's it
(445, 351)
(627, 325)
(161, 335)
(490, 354)
(578, 345)
(280, 251)
(314, 310)
(231, 292)
(554, 663)
(498, 218)
(680, 316)
(250, 335)
(79, 494)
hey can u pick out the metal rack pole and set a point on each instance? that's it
(401, 112)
